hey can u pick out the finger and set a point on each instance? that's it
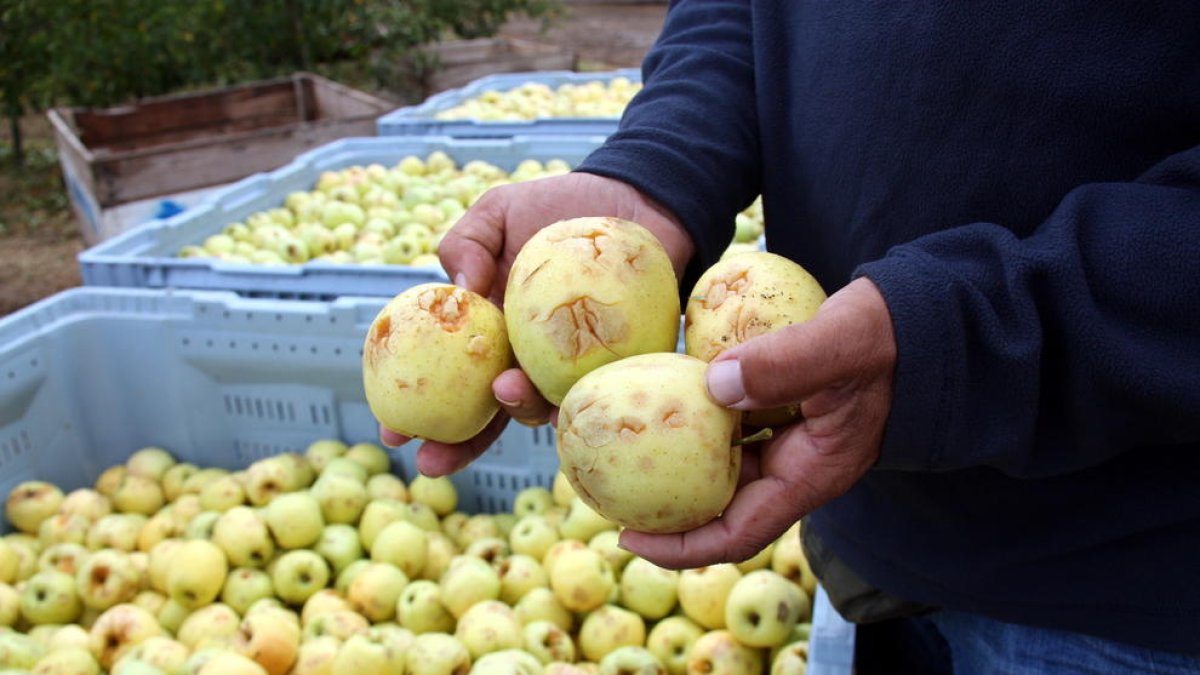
(471, 247)
(436, 459)
(521, 400)
(392, 439)
(850, 335)
(798, 476)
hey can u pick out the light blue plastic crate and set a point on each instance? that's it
(90, 375)
(421, 119)
(145, 257)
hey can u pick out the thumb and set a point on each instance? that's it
(470, 249)
(850, 335)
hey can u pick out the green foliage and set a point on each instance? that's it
(103, 52)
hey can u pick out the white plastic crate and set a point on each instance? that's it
(145, 257)
(90, 375)
(422, 119)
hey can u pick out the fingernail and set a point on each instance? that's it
(725, 382)
(460, 280)
(510, 404)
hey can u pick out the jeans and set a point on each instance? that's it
(970, 644)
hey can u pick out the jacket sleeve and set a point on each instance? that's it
(689, 139)
(1050, 353)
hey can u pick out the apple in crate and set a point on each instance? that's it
(429, 360)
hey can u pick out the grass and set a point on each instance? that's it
(33, 201)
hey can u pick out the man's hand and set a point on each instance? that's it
(478, 253)
(838, 366)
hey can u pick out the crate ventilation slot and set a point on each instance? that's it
(256, 407)
(248, 452)
(14, 447)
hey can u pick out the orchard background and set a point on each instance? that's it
(99, 53)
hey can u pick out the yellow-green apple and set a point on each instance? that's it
(507, 662)
(491, 549)
(489, 626)
(378, 514)
(582, 580)
(540, 604)
(150, 600)
(19, 652)
(562, 668)
(703, 592)
(160, 526)
(86, 502)
(429, 360)
(533, 500)
(788, 559)
(718, 652)
(184, 508)
(759, 560)
(69, 661)
(342, 498)
(520, 574)
(607, 544)
(197, 574)
(372, 457)
(744, 296)
(160, 563)
(118, 629)
(371, 652)
(763, 608)
(10, 562)
(548, 642)
(295, 520)
(402, 544)
(316, 656)
(324, 601)
(201, 525)
(244, 586)
(387, 486)
(106, 578)
(561, 490)
(64, 528)
(348, 575)
(556, 551)
(268, 640)
(468, 580)
(301, 473)
(297, 574)
(340, 624)
(341, 466)
(137, 494)
(31, 502)
(10, 606)
(222, 662)
(671, 639)
(608, 627)
(50, 597)
(106, 482)
(150, 462)
(440, 550)
(161, 652)
(376, 590)
(174, 478)
(585, 292)
(438, 493)
(171, 616)
(116, 530)
(643, 444)
(420, 608)
(791, 659)
(243, 535)
(223, 494)
(195, 483)
(533, 536)
(648, 589)
(65, 557)
(478, 526)
(210, 626)
(437, 654)
(266, 479)
(423, 517)
(319, 452)
(631, 660)
(583, 522)
(339, 545)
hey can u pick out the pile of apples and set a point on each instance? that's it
(367, 214)
(326, 562)
(533, 100)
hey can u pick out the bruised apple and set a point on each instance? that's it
(744, 296)
(644, 445)
(585, 292)
(429, 360)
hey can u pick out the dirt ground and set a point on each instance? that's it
(39, 239)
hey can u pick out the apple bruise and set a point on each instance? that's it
(579, 326)
(743, 324)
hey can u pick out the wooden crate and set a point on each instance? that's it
(172, 145)
(460, 62)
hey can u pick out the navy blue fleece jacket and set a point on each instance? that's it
(1022, 181)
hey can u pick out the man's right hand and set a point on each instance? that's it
(478, 252)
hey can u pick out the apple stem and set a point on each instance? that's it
(760, 435)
